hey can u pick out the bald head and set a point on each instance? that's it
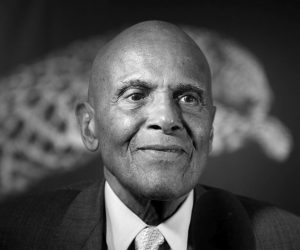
(154, 38)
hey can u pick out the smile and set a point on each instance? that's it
(163, 148)
(156, 154)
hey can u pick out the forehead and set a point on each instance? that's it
(160, 63)
(164, 57)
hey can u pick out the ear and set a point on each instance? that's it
(211, 135)
(86, 119)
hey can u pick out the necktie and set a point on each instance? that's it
(150, 238)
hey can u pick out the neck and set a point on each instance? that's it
(152, 212)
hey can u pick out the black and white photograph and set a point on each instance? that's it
(149, 125)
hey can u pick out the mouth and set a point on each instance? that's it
(161, 155)
(163, 148)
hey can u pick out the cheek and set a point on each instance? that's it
(116, 131)
(199, 128)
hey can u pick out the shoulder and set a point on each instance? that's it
(35, 206)
(272, 226)
(33, 218)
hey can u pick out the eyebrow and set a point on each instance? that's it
(187, 87)
(134, 84)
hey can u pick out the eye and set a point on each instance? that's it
(135, 97)
(189, 99)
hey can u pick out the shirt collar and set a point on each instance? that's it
(122, 225)
(176, 228)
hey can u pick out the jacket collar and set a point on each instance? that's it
(83, 224)
(219, 221)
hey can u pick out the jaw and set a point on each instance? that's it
(152, 206)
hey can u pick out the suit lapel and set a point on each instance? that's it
(83, 223)
(219, 221)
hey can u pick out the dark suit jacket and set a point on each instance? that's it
(75, 219)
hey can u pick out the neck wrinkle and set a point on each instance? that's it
(152, 212)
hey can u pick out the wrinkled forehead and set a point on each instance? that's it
(155, 49)
(158, 60)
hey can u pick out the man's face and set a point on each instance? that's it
(153, 118)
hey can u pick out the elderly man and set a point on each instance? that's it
(150, 116)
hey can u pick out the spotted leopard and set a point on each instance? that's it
(38, 130)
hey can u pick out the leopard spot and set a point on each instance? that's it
(33, 98)
(16, 130)
(68, 150)
(32, 138)
(48, 146)
(62, 126)
(49, 111)
(19, 156)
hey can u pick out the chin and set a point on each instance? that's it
(162, 191)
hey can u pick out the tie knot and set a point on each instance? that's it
(150, 238)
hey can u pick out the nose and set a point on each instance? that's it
(164, 115)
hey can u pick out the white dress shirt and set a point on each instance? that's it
(122, 225)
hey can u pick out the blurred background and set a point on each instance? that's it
(46, 50)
